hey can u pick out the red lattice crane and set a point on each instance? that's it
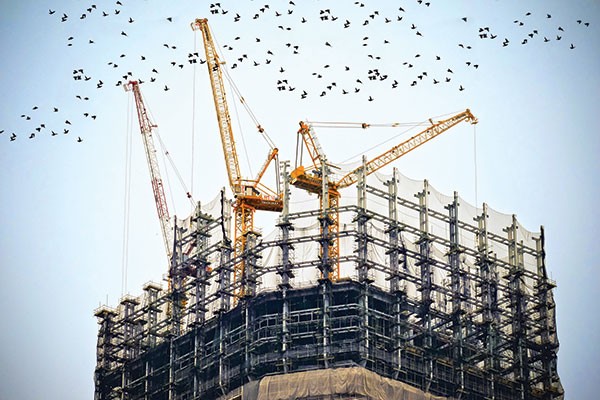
(146, 128)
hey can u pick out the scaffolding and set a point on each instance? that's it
(453, 300)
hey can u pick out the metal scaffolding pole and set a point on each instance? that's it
(285, 271)
(426, 284)
(518, 307)
(458, 312)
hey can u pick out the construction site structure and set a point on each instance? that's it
(436, 299)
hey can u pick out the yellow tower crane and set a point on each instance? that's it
(311, 178)
(250, 194)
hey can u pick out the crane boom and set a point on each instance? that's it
(146, 127)
(405, 147)
(250, 195)
(224, 119)
(313, 182)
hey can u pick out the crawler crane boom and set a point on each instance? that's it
(311, 178)
(250, 195)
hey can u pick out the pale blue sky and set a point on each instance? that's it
(62, 202)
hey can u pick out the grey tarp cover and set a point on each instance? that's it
(356, 381)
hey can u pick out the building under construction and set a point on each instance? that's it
(393, 291)
(432, 299)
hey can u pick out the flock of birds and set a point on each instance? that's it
(283, 64)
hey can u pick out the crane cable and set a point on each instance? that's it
(411, 125)
(475, 161)
(170, 190)
(237, 114)
(127, 197)
(167, 154)
(238, 94)
(193, 120)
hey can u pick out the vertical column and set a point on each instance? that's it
(249, 292)
(457, 310)
(130, 349)
(225, 268)
(518, 307)
(176, 278)
(104, 352)
(285, 270)
(152, 310)
(152, 290)
(398, 269)
(201, 267)
(489, 302)
(224, 293)
(326, 268)
(177, 299)
(426, 283)
(362, 264)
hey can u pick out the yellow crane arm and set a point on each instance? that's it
(408, 145)
(223, 117)
(273, 155)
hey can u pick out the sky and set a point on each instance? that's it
(79, 225)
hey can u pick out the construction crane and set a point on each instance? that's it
(311, 178)
(250, 194)
(146, 128)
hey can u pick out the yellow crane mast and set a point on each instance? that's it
(250, 194)
(311, 178)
